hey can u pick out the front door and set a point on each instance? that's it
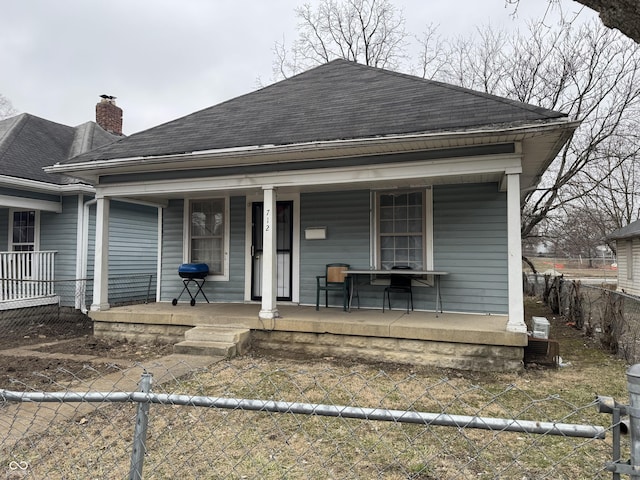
(284, 249)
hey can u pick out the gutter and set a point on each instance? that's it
(39, 186)
(300, 148)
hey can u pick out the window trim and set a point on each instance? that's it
(36, 233)
(427, 242)
(186, 257)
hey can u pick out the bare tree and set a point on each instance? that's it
(6, 108)
(576, 233)
(589, 72)
(365, 31)
(608, 191)
(621, 14)
(433, 55)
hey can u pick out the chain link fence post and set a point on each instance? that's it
(140, 431)
(633, 383)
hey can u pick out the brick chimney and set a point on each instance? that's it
(109, 115)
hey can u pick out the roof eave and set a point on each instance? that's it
(310, 150)
(45, 187)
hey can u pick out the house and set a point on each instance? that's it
(628, 257)
(47, 221)
(342, 163)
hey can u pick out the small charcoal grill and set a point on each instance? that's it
(193, 275)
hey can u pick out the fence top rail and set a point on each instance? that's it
(341, 411)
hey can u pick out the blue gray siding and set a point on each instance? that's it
(470, 242)
(346, 216)
(217, 291)
(172, 248)
(4, 229)
(133, 251)
(59, 233)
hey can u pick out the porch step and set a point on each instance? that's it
(226, 341)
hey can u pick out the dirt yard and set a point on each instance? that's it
(36, 355)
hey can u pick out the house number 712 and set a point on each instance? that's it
(267, 220)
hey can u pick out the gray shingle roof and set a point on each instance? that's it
(335, 101)
(631, 230)
(29, 143)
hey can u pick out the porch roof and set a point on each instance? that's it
(628, 231)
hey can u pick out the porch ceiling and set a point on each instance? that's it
(375, 184)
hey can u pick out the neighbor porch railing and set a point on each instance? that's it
(25, 275)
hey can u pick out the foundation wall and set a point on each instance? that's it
(460, 356)
(140, 332)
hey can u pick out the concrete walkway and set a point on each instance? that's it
(18, 420)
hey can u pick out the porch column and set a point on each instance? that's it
(269, 309)
(514, 244)
(101, 262)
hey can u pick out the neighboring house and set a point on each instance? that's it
(47, 221)
(628, 257)
(342, 163)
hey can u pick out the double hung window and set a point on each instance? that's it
(23, 231)
(404, 229)
(208, 234)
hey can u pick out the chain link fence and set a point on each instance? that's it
(254, 417)
(60, 312)
(612, 317)
(263, 417)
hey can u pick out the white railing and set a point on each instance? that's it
(25, 275)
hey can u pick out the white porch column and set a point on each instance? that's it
(101, 265)
(269, 309)
(514, 244)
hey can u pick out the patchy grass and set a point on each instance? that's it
(190, 442)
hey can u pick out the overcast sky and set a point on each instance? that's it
(163, 59)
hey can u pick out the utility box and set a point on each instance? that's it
(540, 327)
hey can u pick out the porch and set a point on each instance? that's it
(450, 340)
(26, 279)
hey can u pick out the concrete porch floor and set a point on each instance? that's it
(416, 325)
(405, 337)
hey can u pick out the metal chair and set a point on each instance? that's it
(334, 280)
(398, 284)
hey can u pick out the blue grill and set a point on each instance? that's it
(194, 275)
(193, 270)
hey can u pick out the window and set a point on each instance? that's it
(23, 231)
(404, 229)
(208, 228)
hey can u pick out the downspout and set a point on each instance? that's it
(85, 247)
